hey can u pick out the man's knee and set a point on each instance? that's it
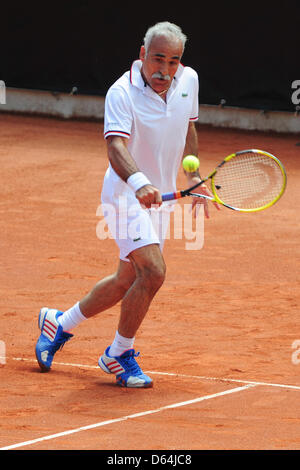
(125, 276)
(153, 274)
(150, 266)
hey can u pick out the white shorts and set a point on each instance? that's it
(132, 227)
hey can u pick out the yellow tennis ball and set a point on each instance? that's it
(190, 163)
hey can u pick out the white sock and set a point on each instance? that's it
(71, 318)
(120, 345)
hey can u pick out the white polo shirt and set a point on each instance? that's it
(156, 130)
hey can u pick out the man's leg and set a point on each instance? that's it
(119, 358)
(150, 270)
(108, 291)
(55, 325)
(136, 283)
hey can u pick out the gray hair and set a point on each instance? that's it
(165, 29)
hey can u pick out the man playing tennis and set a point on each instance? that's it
(149, 127)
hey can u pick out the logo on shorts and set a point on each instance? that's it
(137, 239)
(184, 95)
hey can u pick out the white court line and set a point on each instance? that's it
(173, 374)
(223, 379)
(124, 418)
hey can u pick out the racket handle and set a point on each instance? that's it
(171, 196)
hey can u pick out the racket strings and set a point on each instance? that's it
(249, 181)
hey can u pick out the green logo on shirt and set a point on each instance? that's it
(184, 95)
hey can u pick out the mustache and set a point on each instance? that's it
(160, 76)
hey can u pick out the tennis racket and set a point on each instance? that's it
(245, 181)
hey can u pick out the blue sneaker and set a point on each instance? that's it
(128, 372)
(51, 339)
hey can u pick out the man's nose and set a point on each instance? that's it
(164, 69)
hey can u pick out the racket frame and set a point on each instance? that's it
(216, 198)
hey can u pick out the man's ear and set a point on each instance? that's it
(142, 53)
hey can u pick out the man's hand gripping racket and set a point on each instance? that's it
(245, 181)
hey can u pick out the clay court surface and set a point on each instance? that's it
(219, 339)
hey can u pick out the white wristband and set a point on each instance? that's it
(137, 181)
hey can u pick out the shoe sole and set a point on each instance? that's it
(42, 314)
(102, 365)
(146, 385)
(120, 384)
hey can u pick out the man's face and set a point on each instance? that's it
(161, 62)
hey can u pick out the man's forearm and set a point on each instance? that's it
(191, 148)
(120, 158)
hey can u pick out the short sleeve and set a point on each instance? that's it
(195, 106)
(117, 113)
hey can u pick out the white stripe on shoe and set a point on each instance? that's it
(50, 329)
